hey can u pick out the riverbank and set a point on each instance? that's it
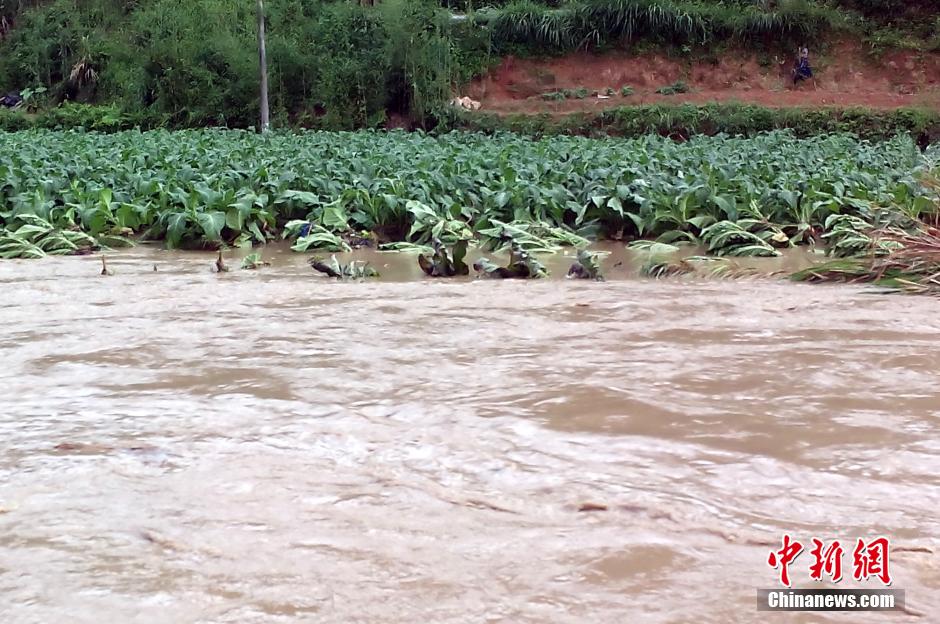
(846, 75)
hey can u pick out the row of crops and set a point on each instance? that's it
(70, 192)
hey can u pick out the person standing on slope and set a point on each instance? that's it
(802, 71)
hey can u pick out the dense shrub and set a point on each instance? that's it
(687, 120)
(332, 64)
(11, 121)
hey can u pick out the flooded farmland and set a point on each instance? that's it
(268, 446)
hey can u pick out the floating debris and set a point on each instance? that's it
(587, 507)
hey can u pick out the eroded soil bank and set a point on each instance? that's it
(846, 75)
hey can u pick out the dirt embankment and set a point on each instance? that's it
(846, 76)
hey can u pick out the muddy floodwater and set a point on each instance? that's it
(178, 446)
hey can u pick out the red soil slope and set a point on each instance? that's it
(847, 76)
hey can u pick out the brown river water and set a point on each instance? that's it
(266, 446)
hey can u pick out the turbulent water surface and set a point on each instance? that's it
(178, 446)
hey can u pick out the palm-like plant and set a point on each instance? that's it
(84, 72)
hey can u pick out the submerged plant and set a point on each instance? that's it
(356, 269)
(36, 237)
(253, 261)
(849, 236)
(727, 238)
(530, 236)
(659, 259)
(587, 266)
(905, 260)
(444, 263)
(522, 265)
(313, 236)
(667, 268)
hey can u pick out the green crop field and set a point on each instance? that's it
(68, 192)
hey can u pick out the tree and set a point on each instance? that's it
(263, 62)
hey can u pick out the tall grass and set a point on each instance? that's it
(585, 23)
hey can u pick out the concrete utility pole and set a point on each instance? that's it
(262, 55)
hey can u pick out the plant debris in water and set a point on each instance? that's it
(356, 269)
(907, 261)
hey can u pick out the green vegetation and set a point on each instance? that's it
(32, 236)
(688, 120)
(211, 188)
(905, 257)
(337, 65)
(537, 27)
(534, 237)
(307, 235)
(195, 63)
(566, 94)
(553, 26)
(673, 89)
(886, 24)
(683, 120)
